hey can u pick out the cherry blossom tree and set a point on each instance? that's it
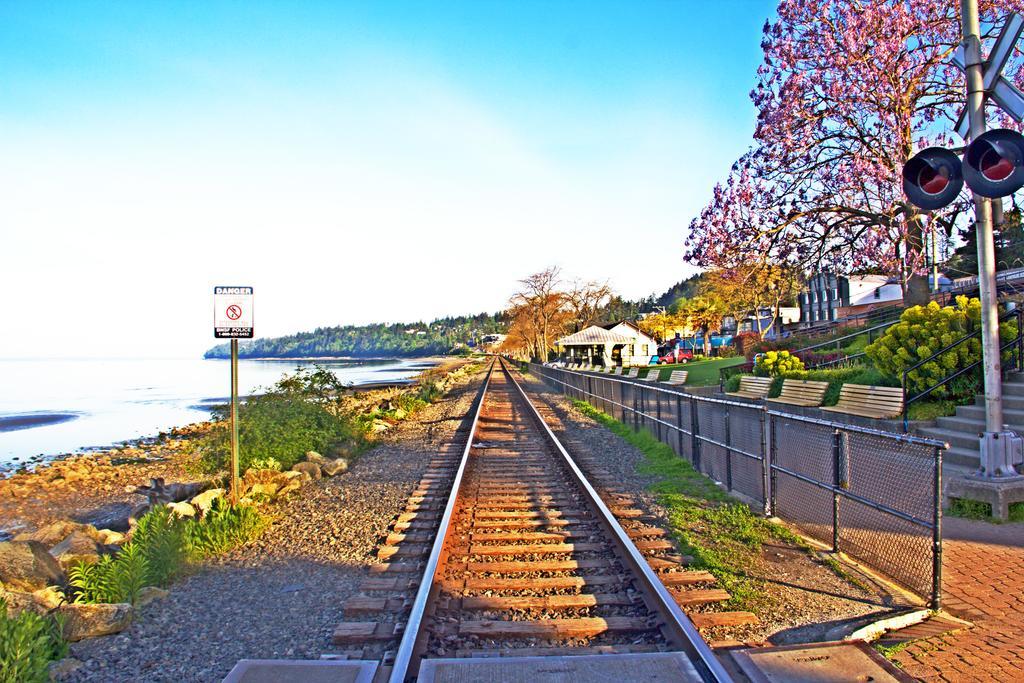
(848, 91)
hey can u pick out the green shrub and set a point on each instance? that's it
(274, 426)
(733, 383)
(223, 528)
(28, 643)
(776, 363)
(922, 331)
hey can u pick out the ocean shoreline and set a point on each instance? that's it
(38, 419)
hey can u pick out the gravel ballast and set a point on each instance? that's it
(282, 595)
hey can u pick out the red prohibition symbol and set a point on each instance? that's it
(234, 312)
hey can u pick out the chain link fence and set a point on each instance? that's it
(873, 495)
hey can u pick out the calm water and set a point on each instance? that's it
(109, 401)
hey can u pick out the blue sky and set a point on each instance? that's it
(352, 161)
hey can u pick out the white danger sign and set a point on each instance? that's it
(232, 312)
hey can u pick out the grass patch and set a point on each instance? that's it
(978, 510)
(929, 410)
(28, 643)
(699, 373)
(722, 535)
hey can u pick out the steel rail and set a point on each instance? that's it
(677, 621)
(410, 637)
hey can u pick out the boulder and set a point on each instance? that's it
(18, 602)
(49, 597)
(52, 534)
(182, 509)
(109, 537)
(335, 467)
(309, 468)
(270, 489)
(293, 481)
(77, 547)
(28, 565)
(88, 621)
(254, 476)
(150, 594)
(204, 501)
(314, 457)
(378, 426)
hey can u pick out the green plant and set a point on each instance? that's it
(776, 363)
(278, 426)
(924, 330)
(970, 509)
(265, 464)
(161, 536)
(223, 528)
(160, 546)
(28, 643)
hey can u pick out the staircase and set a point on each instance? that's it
(961, 430)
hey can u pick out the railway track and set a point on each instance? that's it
(506, 550)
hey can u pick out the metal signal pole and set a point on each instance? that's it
(991, 464)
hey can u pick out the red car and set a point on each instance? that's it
(676, 356)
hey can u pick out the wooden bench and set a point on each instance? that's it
(801, 392)
(652, 375)
(752, 387)
(632, 372)
(869, 401)
(677, 378)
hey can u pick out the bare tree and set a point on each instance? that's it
(539, 293)
(585, 300)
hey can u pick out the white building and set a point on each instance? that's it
(620, 343)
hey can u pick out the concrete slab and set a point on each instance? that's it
(657, 667)
(301, 671)
(837, 662)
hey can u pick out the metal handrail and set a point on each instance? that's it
(868, 331)
(1017, 341)
(836, 361)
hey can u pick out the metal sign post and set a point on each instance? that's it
(984, 79)
(232, 319)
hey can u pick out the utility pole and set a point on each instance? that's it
(993, 454)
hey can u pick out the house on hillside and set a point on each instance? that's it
(828, 296)
(620, 343)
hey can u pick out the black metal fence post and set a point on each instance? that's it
(728, 451)
(937, 534)
(694, 430)
(773, 451)
(636, 409)
(657, 425)
(836, 484)
(679, 423)
(765, 495)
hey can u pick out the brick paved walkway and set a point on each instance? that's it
(983, 581)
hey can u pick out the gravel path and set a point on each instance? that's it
(281, 596)
(806, 597)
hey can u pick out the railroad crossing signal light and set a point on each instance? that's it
(994, 163)
(932, 178)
